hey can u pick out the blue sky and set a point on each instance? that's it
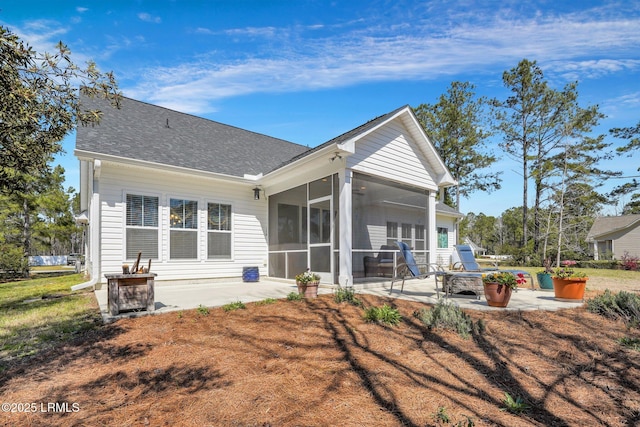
(307, 71)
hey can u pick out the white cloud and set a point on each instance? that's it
(146, 17)
(594, 68)
(419, 53)
(81, 9)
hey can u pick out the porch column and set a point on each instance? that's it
(433, 228)
(346, 231)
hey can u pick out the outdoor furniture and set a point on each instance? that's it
(380, 265)
(407, 268)
(130, 292)
(469, 264)
(462, 283)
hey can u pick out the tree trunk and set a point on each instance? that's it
(560, 221)
(536, 216)
(26, 236)
(525, 230)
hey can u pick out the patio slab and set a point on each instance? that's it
(182, 296)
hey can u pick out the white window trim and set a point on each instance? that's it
(198, 229)
(207, 231)
(125, 192)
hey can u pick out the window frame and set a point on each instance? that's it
(128, 226)
(229, 231)
(442, 231)
(393, 238)
(195, 229)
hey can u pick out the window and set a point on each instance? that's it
(420, 241)
(443, 237)
(141, 226)
(183, 221)
(406, 234)
(392, 233)
(218, 231)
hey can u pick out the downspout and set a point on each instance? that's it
(92, 282)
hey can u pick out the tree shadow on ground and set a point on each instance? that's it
(493, 363)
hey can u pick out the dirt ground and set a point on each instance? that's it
(318, 363)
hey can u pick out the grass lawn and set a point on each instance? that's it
(37, 313)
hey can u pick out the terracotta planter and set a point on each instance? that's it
(497, 295)
(569, 289)
(309, 290)
(544, 280)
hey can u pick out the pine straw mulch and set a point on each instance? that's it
(318, 363)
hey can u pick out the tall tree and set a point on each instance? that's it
(633, 186)
(518, 121)
(455, 124)
(536, 122)
(54, 226)
(40, 105)
(576, 198)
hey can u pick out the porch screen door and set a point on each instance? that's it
(320, 237)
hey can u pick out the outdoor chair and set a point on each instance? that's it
(407, 268)
(468, 263)
(380, 265)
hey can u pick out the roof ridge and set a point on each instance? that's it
(156, 106)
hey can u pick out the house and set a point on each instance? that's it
(203, 200)
(611, 236)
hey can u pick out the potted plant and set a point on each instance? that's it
(307, 283)
(498, 286)
(568, 284)
(544, 276)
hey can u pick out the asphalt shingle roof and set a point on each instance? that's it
(160, 135)
(608, 224)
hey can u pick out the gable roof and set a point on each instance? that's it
(407, 114)
(159, 135)
(342, 138)
(608, 224)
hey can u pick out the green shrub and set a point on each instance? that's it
(238, 305)
(267, 301)
(295, 296)
(600, 264)
(12, 261)
(202, 310)
(622, 305)
(515, 406)
(385, 314)
(442, 417)
(347, 295)
(632, 343)
(446, 315)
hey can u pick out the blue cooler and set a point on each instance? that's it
(250, 274)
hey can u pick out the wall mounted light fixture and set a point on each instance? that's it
(256, 193)
(336, 155)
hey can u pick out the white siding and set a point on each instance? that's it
(391, 153)
(249, 221)
(627, 240)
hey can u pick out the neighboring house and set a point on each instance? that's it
(477, 250)
(203, 200)
(611, 236)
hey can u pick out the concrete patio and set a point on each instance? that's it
(185, 296)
